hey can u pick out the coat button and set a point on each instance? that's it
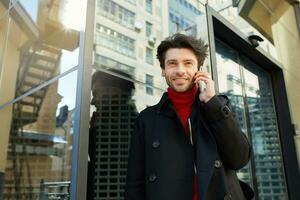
(155, 144)
(152, 178)
(227, 197)
(218, 163)
(225, 111)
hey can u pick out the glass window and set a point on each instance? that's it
(131, 1)
(114, 41)
(108, 63)
(149, 56)
(248, 86)
(230, 84)
(30, 57)
(149, 6)
(260, 102)
(115, 12)
(148, 29)
(114, 108)
(39, 148)
(149, 84)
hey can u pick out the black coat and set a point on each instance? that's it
(162, 157)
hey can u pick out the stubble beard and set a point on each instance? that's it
(183, 88)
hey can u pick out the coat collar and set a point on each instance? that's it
(163, 100)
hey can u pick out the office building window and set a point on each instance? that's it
(178, 22)
(149, 56)
(131, 1)
(148, 29)
(149, 6)
(149, 84)
(115, 12)
(109, 63)
(114, 40)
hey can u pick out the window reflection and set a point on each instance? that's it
(115, 12)
(114, 40)
(149, 56)
(109, 63)
(264, 131)
(111, 125)
(115, 103)
(149, 84)
(40, 129)
(230, 84)
(182, 15)
(148, 29)
(37, 50)
(248, 86)
(148, 6)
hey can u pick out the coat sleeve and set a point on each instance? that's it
(135, 180)
(233, 145)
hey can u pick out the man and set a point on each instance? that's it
(189, 145)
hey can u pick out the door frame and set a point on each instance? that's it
(219, 27)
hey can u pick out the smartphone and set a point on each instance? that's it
(201, 84)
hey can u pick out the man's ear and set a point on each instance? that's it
(163, 73)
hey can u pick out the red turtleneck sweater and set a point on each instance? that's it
(183, 103)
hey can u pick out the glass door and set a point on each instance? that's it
(249, 89)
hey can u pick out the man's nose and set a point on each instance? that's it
(180, 69)
(94, 101)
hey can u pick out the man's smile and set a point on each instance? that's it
(180, 80)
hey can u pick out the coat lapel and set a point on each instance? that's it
(205, 155)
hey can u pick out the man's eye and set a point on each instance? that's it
(188, 63)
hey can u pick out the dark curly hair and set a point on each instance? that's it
(182, 41)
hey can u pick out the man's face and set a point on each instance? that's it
(180, 68)
(96, 93)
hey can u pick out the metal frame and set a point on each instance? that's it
(22, 18)
(212, 47)
(237, 40)
(37, 88)
(82, 114)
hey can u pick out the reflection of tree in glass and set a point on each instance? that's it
(110, 128)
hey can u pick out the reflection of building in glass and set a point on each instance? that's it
(264, 134)
(131, 30)
(126, 37)
(233, 85)
(39, 150)
(110, 128)
(36, 149)
(182, 15)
